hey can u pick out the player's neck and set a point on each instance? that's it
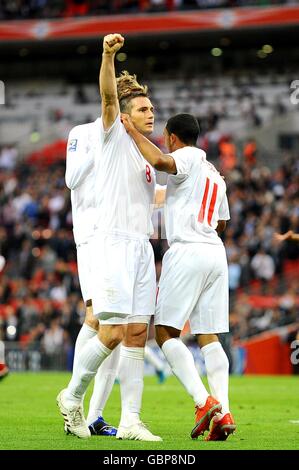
(179, 145)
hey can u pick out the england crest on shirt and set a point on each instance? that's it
(73, 145)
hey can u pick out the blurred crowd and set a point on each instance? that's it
(262, 203)
(21, 9)
(40, 299)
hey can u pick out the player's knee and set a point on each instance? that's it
(164, 333)
(136, 335)
(205, 339)
(111, 335)
(159, 339)
(116, 337)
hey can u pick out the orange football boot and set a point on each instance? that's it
(203, 416)
(221, 429)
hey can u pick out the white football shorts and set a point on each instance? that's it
(194, 286)
(123, 275)
(84, 269)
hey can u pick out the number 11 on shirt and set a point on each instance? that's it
(202, 212)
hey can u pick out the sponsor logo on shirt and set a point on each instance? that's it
(73, 145)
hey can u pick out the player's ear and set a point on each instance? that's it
(172, 138)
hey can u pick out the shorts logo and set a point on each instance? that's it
(111, 294)
(73, 145)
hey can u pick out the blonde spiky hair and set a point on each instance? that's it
(128, 87)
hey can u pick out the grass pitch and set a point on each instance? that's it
(266, 410)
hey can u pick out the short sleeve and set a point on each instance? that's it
(79, 157)
(115, 131)
(224, 209)
(183, 161)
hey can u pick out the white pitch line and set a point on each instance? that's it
(294, 421)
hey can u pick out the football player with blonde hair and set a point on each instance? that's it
(124, 278)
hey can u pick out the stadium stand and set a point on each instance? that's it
(224, 105)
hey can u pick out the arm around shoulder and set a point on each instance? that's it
(150, 151)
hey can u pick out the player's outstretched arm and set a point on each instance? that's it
(151, 153)
(290, 235)
(110, 107)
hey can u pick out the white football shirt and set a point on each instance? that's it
(195, 199)
(124, 185)
(84, 145)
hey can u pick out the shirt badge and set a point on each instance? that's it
(73, 145)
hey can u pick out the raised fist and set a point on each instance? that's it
(112, 43)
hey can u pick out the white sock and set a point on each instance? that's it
(103, 383)
(88, 361)
(217, 367)
(182, 364)
(84, 335)
(153, 358)
(131, 366)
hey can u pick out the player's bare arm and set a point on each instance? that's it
(151, 153)
(160, 195)
(290, 235)
(221, 226)
(110, 107)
